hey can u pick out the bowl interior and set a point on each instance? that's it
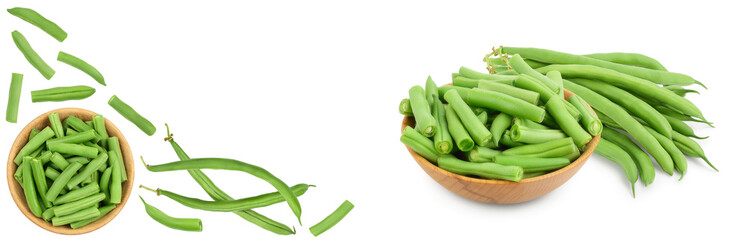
(16, 189)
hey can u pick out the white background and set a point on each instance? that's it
(309, 90)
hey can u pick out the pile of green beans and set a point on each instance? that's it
(71, 179)
(632, 93)
(505, 127)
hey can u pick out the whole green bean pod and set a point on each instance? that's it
(654, 76)
(81, 65)
(525, 95)
(442, 138)
(532, 164)
(102, 211)
(681, 127)
(29, 188)
(631, 59)
(631, 103)
(668, 111)
(642, 159)
(419, 143)
(405, 107)
(83, 214)
(630, 83)
(131, 115)
(627, 123)
(230, 205)
(31, 56)
(589, 119)
(488, 170)
(504, 103)
(457, 130)
(614, 153)
(34, 144)
(184, 224)
(470, 121)
(500, 124)
(332, 219)
(518, 64)
(683, 142)
(230, 164)
(14, 96)
(59, 94)
(36, 19)
(426, 124)
(567, 123)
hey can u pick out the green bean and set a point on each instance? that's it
(332, 219)
(681, 164)
(539, 147)
(51, 173)
(686, 150)
(14, 96)
(567, 123)
(70, 131)
(482, 154)
(680, 116)
(80, 215)
(534, 174)
(505, 103)
(470, 121)
(74, 149)
(457, 131)
(34, 144)
(115, 188)
(234, 165)
(81, 137)
(531, 135)
(184, 224)
(230, 205)
(131, 115)
(29, 188)
(507, 72)
(680, 91)
(500, 124)
(37, 171)
(59, 94)
(426, 124)
(506, 140)
(525, 95)
(488, 170)
(633, 84)
(81, 65)
(77, 124)
(557, 78)
(113, 144)
(529, 124)
(39, 21)
(473, 83)
(419, 143)
(654, 76)
(627, 122)
(631, 59)
(74, 206)
(682, 142)
(78, 194)
(18, 175)
(218, 195)
(36, 152)
(642, 159)
(518, 64)
(469, 73)
(105, 182)
(614, 153)
(62, 180)
(483, 117)
(529, 83)
(532, 164)
(100, 127)
(88, 170)
(442, 138)
(589, 119)
(631, 103)
(462, 91)
(56, 124)
(48, 214)
(405, 107)
(102, 211)
(530, 62)
(33, 133)
(31, 56)
(682, 128)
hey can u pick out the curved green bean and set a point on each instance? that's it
(31, 56)
(532, 164)
(488, 170)
(131, 115)
(234, 165)
(34, 144)
(681, 164)
(589, 120)
(518, 64)
(332, 219)
(567, 123)
(14, 96)
(30, 190)
(425, 122)
(633, 84)
(184, 224)
(231, 205)
(525, 95)
(642, 159)
(683, 142)
(102, 211)
(36, 19)
(627, 122)
(631, 103)
(500, 123)
(81, 65)
(442, 138)
(631, 59)
(457, 130)
(614, 153)
(470, 121)
(59, 94)
(504, 103)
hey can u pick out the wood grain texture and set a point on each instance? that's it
(17, 191)
(499, 191)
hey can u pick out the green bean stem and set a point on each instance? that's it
(31, 56)
(470, 121)
(589, 119)
(504, 103)
(668, 111)
(614, 153)
(642, 159)
(36, 19)
(525, 95)
(567, 123)
(631, 59)
(419, 143)
(131, 115)
(332, 219)
(488, 170)
(442, 138)
(14, 96)
(81, 65)
(425, 122)
(532, 164)
(469, 73)
(457, 130)
(184, 224)
(230, 205)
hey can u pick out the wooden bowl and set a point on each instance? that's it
(500, 191)
(17, 191)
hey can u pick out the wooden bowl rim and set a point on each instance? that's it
(589, 149)
(20, 199)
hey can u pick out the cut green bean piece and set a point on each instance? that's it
(482, 154)
(488, 170)
(100, 127)
(88, 170)
(556, 77)
(567, 123)
(531, 135)
(56, 124)
(332, 219)
(462, 91)
(534, 174)
(131, 115)
(589, 119)
(505, 103)
(506, 140)
(14, 96)
(525, 95)
(500, 124)
(82, 214)
(442, 138)
(469, 73)
(419, 143)
(80, 204)
(642, 159)
(425, 122)
(34, 144)
(81, 137)
(470, 121)
(81, 65)
(540, 147)
(115, 188)
(473, 83)
(184, 224)
(62, 180)
(36, 19)
(113, 144)
(405, 107)
(48, 214)
(74, 149)
(33, 133)
(31, 56)
(532, 164)
(431, 90)
(78, 194)
(59, 94)
(51, 173)
(457, 130)
(102, 211)
(70, 131)
(77, 124)
(40, 180)
(58, 161)
(29, 188)
(105, 182)
(518, 64)
(614, 153)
